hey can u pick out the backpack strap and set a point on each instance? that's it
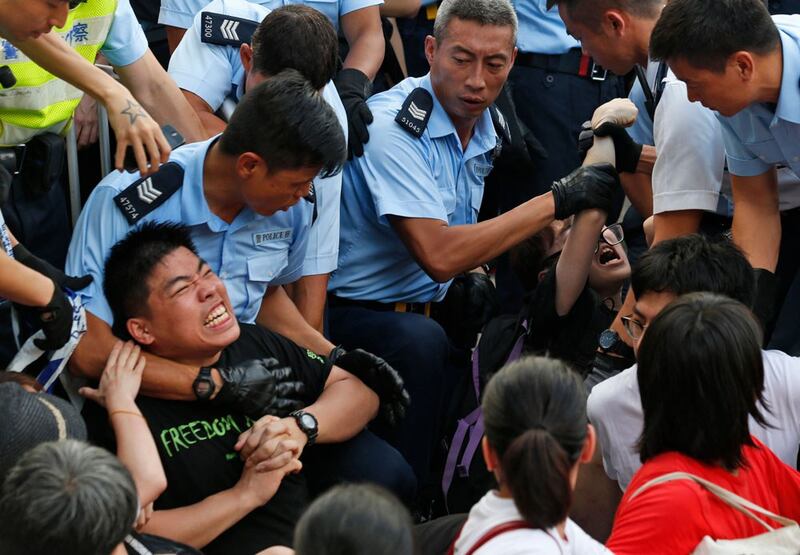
(741, 504)
(226, 30)
(652, 98)
(148, 193)
(489, 535)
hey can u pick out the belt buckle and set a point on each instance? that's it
(598, 73)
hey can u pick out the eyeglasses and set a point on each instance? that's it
(611, 235)
(633, 326)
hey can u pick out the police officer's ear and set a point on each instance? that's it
(430, 48)
(743, 63)
(140, 331)
(250, 164)
(246, 55)
(615, 22)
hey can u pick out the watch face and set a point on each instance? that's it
(608, 339)
(202, 388)
(309, 422)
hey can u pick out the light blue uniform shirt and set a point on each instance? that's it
(541, 30)
(124, 44)
(758, 137)
(180, 13)
(215, 72)
(249, 254)
(400, 175)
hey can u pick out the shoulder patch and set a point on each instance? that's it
(148, 193)
(416, 111)
(226, 30)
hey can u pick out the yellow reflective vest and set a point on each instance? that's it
(39, 101)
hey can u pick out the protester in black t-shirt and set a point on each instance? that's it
(575, 270)
(233, 485)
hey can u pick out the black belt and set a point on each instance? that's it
(416, 308)
(573, 62)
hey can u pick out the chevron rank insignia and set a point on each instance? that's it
(226, 30)
(148, 193)
(416, 111)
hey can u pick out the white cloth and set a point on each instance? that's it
(615, 410)
(493, 510)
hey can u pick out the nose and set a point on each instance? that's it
(475, 79)
(206, 288)
(59, 15)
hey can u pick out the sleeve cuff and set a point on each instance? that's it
(685, 200)
(173, 18)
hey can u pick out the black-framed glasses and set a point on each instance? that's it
(633, 326)
(611, 235)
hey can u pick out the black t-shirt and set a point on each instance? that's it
(572, 337)
(195, 442)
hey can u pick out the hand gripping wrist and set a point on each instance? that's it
(259, 387)
(627, 150)
(587, 187)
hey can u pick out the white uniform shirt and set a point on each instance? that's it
(615, 410)
(493, 510)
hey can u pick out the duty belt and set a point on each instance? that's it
(416, 308)
(12, 157)
(573, 62)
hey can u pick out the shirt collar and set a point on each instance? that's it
(194, 207)
(440, 125)
(788, 107)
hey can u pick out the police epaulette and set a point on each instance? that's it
(226, 30)
(415, 112)
(148, 193)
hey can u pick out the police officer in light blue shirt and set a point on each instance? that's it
(359, 22)
(409, 212)
(242, 195)
(214, 70)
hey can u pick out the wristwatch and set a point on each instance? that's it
(611, 343)
(307, 423)
(203, 385)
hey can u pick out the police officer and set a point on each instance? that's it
(410, 204)
(26, 24)
(36, 212)
(358, 20)
(213, 70)
(241, 195)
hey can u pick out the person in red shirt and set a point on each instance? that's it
(696, 400)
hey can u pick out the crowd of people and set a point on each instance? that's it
(457, 276)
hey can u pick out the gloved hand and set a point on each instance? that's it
(380, 377)
(259, 387)
(619, 110)
(354, 88)
(587, 187)
(56, 320)
(62, 280)
(585, 139)
(627, 150)
(471, 301)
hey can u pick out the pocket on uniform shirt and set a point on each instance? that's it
(262, 269)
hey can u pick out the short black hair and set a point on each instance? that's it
(297, 37)
(534, 413)
(354, 519)
(591, 11)
(695, 263)
(701, 375)
(706, 33)
(130, 264)
(285, 121)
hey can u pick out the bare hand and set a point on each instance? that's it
(134, 127)
(85, 121)
(620, 111)
(269, 445)
(121, 377)
(260, 487)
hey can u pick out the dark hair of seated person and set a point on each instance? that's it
(695, 263)
(296, 37)
(286, 122)
(354, 519)
(701, 376)
(534, 413)
(130, 263)
(529, 258)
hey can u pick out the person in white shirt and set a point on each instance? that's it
(537, 435)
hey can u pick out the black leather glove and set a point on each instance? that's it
(627, 150)
(471, 301)
(259, 387)
(62, 280)
(587, 187)
(764, 305)
(56, 320)
(585, 139)
(354, 88)
(380, 377)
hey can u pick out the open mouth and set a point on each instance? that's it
(608, 255)
(218, 316)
